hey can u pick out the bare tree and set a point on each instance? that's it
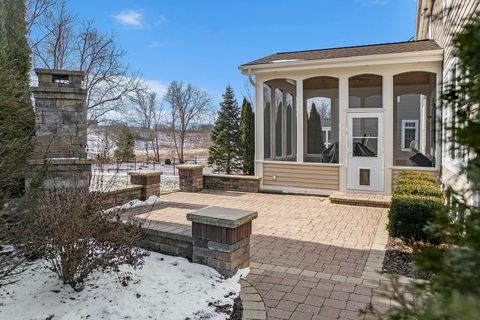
(36, 9)
(59, 41)
(189, 106)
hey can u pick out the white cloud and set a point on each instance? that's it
(130, 18)
(157, 86)
(156, 44)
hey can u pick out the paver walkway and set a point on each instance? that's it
(311, 259)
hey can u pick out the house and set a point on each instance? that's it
(352, 118)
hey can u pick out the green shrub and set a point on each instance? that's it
(409, 214)
(418, 187)
(415, 176)
(415, 201)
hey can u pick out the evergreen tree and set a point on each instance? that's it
(225, 151)
(125, 145)
(247, 138)
(315, 143)
(17, 122)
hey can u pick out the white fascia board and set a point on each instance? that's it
(377, 59)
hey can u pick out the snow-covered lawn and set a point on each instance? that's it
(165, 288)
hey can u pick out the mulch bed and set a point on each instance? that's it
(237, 312)
(398, 258)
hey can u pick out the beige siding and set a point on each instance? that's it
(396, 173)
(302, 175)
(443, 29)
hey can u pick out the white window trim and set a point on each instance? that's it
(403, 133)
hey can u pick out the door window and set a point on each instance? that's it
(364, 137)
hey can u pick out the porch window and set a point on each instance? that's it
(409, 134)
(321, 119)
(290, 124)
(279, 120)
(365, 91)
(414, 95)
(267, 105)
(279, 111)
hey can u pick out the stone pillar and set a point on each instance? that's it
(60, 115)
(191, 177)
(221, 238)
(60, 141)
(149, 180)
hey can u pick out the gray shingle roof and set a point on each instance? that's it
(344, 52)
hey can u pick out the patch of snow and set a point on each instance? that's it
(166, 288)
(150, 202)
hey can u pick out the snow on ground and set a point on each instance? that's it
(112, 180)
(166, 288)
(150, 202)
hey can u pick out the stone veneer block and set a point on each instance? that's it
(149, 180)
(221, 238)
(222, 217)
(242, 183)
(191, 177)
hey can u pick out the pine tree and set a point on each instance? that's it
(315, 143)
(125, 145)
(225, 151)
(17, 121)
(247, 138)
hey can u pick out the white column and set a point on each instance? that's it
(342, 129)
(439, 119)
(258, 127)
(388, 132)
(300, 132)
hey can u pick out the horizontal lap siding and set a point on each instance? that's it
(301, 176)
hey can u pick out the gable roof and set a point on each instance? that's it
(345, 52)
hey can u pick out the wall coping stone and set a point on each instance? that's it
(59, 71)
(190, 166)
(60, 161)
(222, 217)
(118, 190)
(145, 173)
(231, 176)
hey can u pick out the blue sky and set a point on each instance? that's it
(204, 42)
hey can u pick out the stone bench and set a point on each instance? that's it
(221, 238)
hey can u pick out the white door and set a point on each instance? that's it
(365, 151)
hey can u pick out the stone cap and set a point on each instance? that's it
(59, 78)
(60, 161)
(191, 166)
(222, 217)
(232, 176)
(145, 173)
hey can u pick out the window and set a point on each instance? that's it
(365, 91)
(267, 105)
(279, 120)
(290, 124)
(279, 110)
(409, 134)
(365, 137)
(318, 113)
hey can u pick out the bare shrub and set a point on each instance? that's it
(76, 236)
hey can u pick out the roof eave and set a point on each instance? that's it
(414, 56)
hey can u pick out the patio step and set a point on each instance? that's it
(360, 199)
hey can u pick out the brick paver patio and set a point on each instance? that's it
(311, 259)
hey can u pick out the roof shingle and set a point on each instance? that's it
(344, 52)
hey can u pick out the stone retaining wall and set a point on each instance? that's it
(121, 196)
(171, 243)
(231, 182)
